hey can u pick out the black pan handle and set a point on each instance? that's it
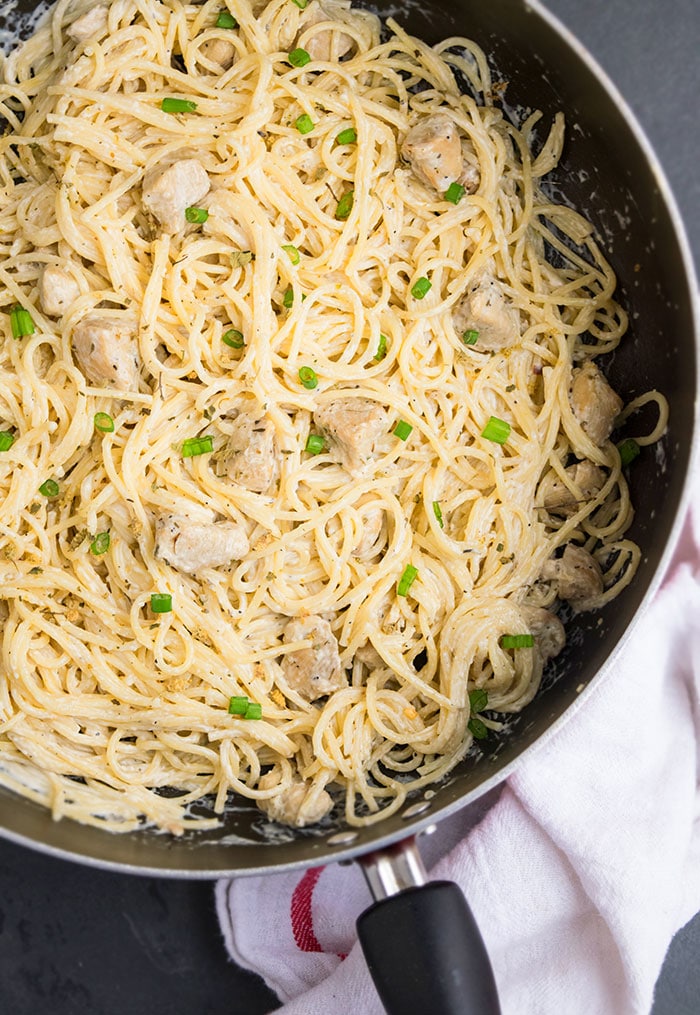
(422, 945)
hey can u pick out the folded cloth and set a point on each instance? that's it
(578, 876)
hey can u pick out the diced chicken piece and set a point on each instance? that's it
(219, 51)
(434, 149)
(91, 25)
(57, 290)
(438, 156)
(368, 655)
(295, 805)
(191, 546)
(168, 190)
(594, 403)
(578, 577)
(352, 425)
(329, 44)
(547, 630)
(314, 671)
(471, 174)
(559, 499)
(107, 352)
(373, 525)
(251, 456)
(485, 308)
(392, 619)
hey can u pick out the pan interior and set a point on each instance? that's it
(606, 174)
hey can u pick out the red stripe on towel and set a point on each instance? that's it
(302, 919)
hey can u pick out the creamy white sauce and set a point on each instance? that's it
(17, 23)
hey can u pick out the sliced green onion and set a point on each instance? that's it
(234, 338)
(629, 450)
(402, 429)
(478, 699)
(437, 511)
(254, 711)
(288, 298)
(21, 322)
(161, 602)
(406, 580)
(194, 446)
(6, 440)
(196, 214)
(49, 488)
(301, 4)
(308, 377)
(299, 58)
(344, 206)
(496, 430)
(238, 704)
(104, 422)
(454, 193)
(100, 544)
(226, 20)
(178, 106)
(304, 124)
(516, 641)
(347, 136)
(315, 444)
(477, 728)
(470, 337)
(381, 348)
(421, 288)
(292, 251)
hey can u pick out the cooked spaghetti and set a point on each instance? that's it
(302, 437)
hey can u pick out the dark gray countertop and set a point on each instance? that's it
(74, 939)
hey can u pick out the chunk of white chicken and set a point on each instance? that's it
(219, 51)
(168, 190)
(486, 309)
(250, 457)
(313, 671)
(578, 577)
(369, 657)
(547, 630)
(559, 499)
(92, 25)
(373, 528)
(352, 426)
(595, 405)
(57, 291)
(329, 44)
(296, 804)
(106, 351)
(438, 155)
(191, 546)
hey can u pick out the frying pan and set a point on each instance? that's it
(609, 173)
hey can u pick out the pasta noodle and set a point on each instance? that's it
(292, 384)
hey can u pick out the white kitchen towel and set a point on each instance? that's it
(578, 876)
